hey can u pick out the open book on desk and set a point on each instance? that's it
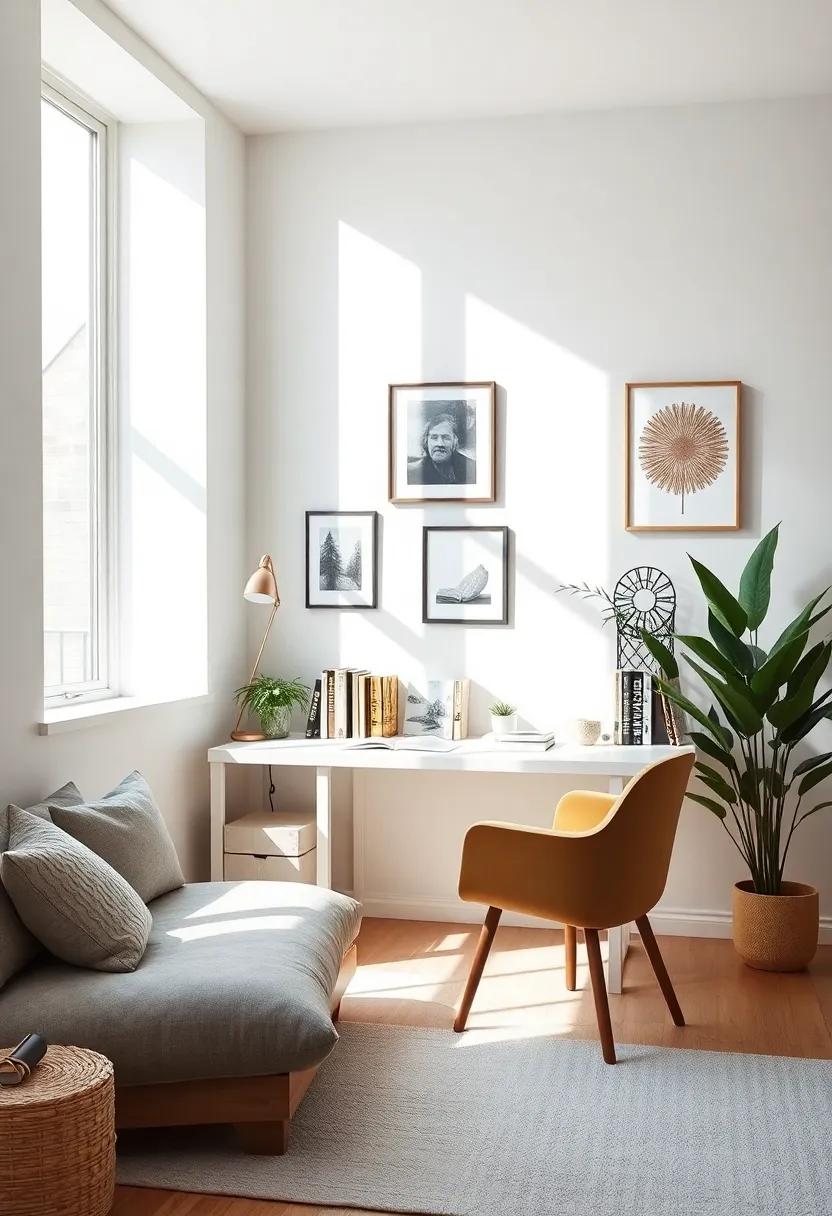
(404, 743)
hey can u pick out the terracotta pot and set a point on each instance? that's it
(776, 932)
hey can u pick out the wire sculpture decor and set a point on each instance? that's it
(644, 599)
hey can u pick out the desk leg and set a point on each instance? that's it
(618, 939)
(323, 805)
(217, 821)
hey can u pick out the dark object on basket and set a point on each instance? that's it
(21, 1062)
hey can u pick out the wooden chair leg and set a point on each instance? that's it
(492, 919)
(655, 956)
(265, 1139)
(570, 944)
(599, 992)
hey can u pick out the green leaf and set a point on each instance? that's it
(805, 724)
(803, 622)
(800, 674)
(820, 806)
(755, 580)
(706, 651)
(736, 704)
(758, 655)
(814, 778)
(731, 646)
(787, 713)
(661, 654)
(709, 803)
(711, 748)
(755, 583)
(724, 606)
(750, 786)
(672, 693)
(776, 671)
(716, 782)
(806, 766)
(729, 738)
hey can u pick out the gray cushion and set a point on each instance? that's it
(126, 828)
(71, 900)
(17, 945)
(235, 982)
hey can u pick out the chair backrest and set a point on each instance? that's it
(634, 847)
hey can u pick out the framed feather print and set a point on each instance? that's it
(682, 443)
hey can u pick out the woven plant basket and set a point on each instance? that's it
(57, 1137)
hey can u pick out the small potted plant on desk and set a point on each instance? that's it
(503, 717)
(761, 793)
(272, 700)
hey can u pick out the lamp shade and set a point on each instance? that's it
(261, 588)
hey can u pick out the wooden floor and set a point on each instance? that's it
(411, 973)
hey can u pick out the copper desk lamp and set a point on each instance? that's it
(261, 588)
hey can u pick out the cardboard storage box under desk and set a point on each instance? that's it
(277, 845)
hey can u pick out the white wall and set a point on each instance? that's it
(560, 256)
(167, 742)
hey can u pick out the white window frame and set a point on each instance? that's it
(103, 378)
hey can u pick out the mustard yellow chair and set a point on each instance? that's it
(603, 863)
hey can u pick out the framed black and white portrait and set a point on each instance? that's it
(341, 559)
(465, 575)
(442, 442)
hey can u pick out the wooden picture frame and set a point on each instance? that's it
(443, 609)
(683, 453)
(468, 473)
(343, 598)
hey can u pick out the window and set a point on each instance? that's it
(77, 430)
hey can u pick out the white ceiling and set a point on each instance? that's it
(275, 65)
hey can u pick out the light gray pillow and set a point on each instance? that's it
(126, 828)
(17, 945)
(73, 902)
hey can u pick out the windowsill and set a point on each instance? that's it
(94, 713)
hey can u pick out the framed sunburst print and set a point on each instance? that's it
(682, 442)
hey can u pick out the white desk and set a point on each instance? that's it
(616, 764)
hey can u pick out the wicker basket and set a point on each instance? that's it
(57, 1137)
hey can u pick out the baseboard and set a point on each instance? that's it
(678, 922)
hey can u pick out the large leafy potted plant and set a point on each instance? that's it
(766, 704)
(272, 701)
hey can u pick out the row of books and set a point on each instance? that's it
(643, 715)
(348, 703)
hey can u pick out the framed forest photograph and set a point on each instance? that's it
(682, 442)
(341, 559)
(442, 442)
(465, 575)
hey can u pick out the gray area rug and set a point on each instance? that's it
(418, 1120)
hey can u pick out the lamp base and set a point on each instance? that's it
(246, 736)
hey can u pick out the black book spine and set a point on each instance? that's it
(313, 723)
(660, 734)
(638, 708)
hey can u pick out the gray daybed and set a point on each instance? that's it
(225, 1019)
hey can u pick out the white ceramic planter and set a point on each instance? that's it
(503, 725)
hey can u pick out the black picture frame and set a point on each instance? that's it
(341, 607)
(504, 534)
(484, 489)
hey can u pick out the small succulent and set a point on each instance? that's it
(501, 709)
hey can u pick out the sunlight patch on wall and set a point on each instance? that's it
(379, 342)
(555, 477)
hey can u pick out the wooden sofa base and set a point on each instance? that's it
(261, 1108)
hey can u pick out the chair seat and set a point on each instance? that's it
(236, 981)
